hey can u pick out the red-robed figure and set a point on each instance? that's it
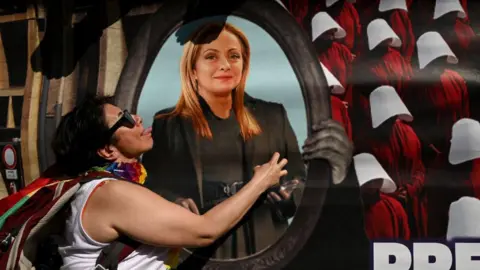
(385, 217)
(395, 12)
(463, 219)
(385, 64)
(450, 19)
(368, 8)
(382, 65)
(339, 107)
(390, 138)
(300, 10)
(326, 34)
(438, 98)
(346, 15)
(459, 178)
(465, 149)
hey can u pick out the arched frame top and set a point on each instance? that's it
(277, 22)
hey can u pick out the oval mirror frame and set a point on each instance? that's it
(298, 48)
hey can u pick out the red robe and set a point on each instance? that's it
(392, 69)
(475, 178)
(346, 15)
(340, 114)
(436, 105)
(338, 59)
(371, 72)
(459, 35)
(367, 10)
(447, 184)
(464, 35)
(349, 20)
(400, 154)
(398, 19)
(386, 219)
(298, 9)
(409, 3)
(400, 22)
(399, 151)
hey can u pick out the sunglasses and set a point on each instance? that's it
(126, 120)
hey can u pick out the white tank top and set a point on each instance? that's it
(80, 251)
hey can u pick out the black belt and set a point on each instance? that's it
(216, 192)
(232, 189)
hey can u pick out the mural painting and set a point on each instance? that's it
(400, 78)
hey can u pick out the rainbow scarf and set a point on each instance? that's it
(134, 172)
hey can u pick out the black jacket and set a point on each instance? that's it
(174, 167)
(175, 170)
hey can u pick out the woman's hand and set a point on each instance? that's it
(284, 193)
(282, 201)
(269, 173)
(330, 142)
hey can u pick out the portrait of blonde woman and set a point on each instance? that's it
(207, 146)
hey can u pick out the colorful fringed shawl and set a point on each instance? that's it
(134, 171)
(13, 204)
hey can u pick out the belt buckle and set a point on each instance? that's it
(232, 189)
(226, 190)
(235, 187)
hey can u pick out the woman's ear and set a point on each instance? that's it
(109, 152)
(194, 72)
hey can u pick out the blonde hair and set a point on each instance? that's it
(188, 104)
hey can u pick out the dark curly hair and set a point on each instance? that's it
(80, 134)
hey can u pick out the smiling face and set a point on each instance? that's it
(218, 68)
(128, 142)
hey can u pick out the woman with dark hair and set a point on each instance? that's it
(98, 136)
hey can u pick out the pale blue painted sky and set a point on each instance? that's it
(271, 78)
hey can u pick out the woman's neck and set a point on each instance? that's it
(220, 105)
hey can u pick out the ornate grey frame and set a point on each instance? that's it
(275, 20)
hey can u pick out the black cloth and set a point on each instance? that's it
(175, 165)
(227, 146)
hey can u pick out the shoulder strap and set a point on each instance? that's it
(116, 252)
(108, 258)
